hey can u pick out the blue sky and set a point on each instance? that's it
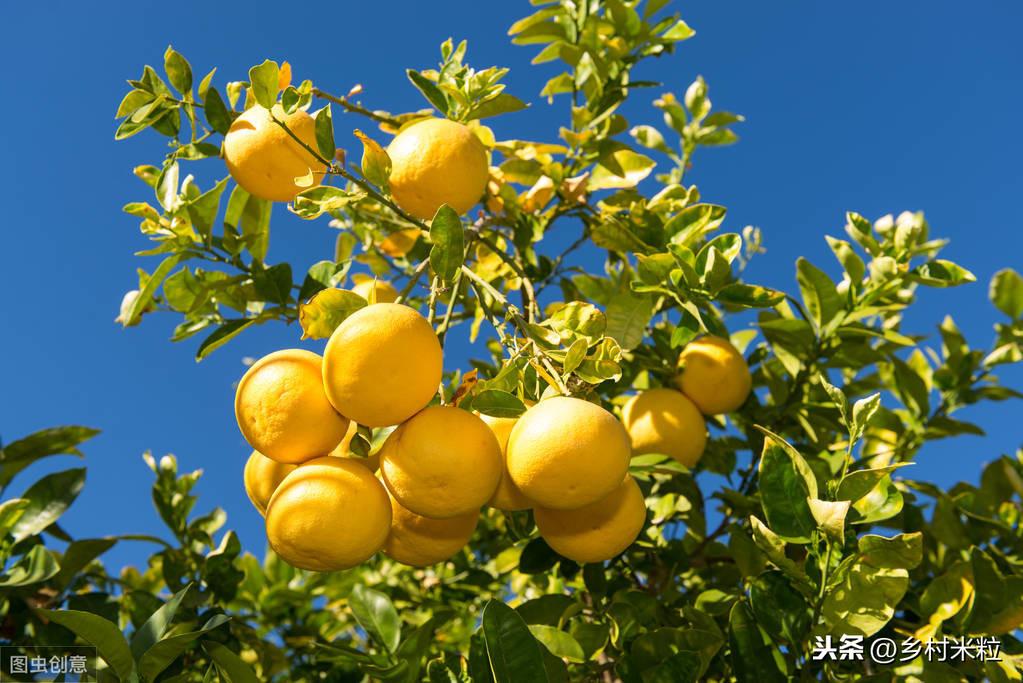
(875, 107)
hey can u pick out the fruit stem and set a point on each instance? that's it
(446, 322)
(532, 307)
(413, 279)
(355, 108)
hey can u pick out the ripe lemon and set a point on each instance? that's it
(434, 162)
(385, 291)
(283, 411)
(714, 375)
(329, 514)
(400, 242)
(566, 452)
(665, 421)
(264, 159)
(344, 450)
(262, 477)
(442, 463)
(598, 531)
(507, 496)
(420, 541)
(382, 365)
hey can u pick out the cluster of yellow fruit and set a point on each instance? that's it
(564, 458)
(418, 498)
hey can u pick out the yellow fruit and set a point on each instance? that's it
(434, 162)
(714, 375)
(385, 291)
(265, 160)
(343, 450)
(262, 477)
(382, 365)
(507, 496)
(283, 411)
(399, 243)
(442, 463)
(329, 514)
(665, 421)
(421, 541)
(598, 531)
(566, 452)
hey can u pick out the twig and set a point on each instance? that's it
(355, 108)
(413, 279)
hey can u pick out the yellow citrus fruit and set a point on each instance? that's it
(421, 541)
(382, 365)
(283, 411)
(344, 450)
(434, 162)
(385, 291)
(329, 514)
(262, 477)
(714, 375)
(442, 463)
(565, 452)
(507, 496)
(264, 159)
(400, 242)
(598, 531)
(665, 421)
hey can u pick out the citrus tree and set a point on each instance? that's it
(653, 471)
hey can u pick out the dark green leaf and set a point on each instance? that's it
(78, 554)
(753, 659)
(375, 613)
(819, 293)
(223, 334)
(786, 482)
(779, 607)
(145, 296)
(157, 624)
(48, 498)
(179, 73)
(498, 403)
(230, 665)
(502, 104)
(35, 566)
(448, 251)
(325, 143)
(429, 89)
(274, 283)
(163, 653)
(627, 318)
(101, 634)
(513, 652)
(217, 113)
(19, 454)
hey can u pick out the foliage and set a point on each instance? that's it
(817, 528)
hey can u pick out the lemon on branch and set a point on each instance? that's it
(382, 365)
(665, 421)
(421, 541)
(262, 477)
(282, 410)
(714, 375)
(565, 452)
(329, 514)
(265, 160)
(598, 531)
(435, 162)
(442, 463)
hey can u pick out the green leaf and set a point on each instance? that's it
(774, 548)
(847, 256)
(577, 320)
(498, 403)
(324, 126)
(35, 566)
(819, 293)
(217, 113)
(627, 318)
(376, 164)
(504, 103)
(101, 634)
(264, 80)
(10, 512)
(375, 613)
(622, 168)
(904, 551)
(163, 653)
(786, 482)
(321, 199)
(750, 296)
(830, 517)
(448, 251)
(941, 273)
(48, 498)
(320, 276)
(17, 455)
(693, 223)
(167, 186)
(157, 624)
(753, 658)
(865, 599)
(203, 209)
(678, 32)
(429, 89)
(230, 665)
(223, 334)
(559, 643)
(273, 284)
(780, 608)
(1006, 292)
(78, 554)
(145, 296)
(179, 73)
(326, 310)
(513, 653)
